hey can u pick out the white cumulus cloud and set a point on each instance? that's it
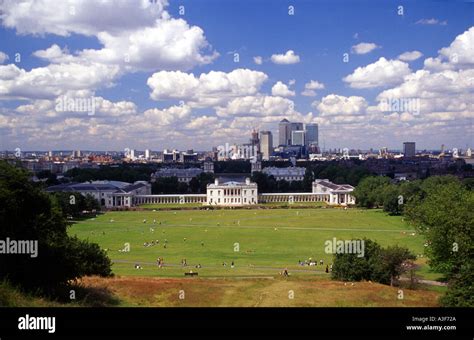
(364, 48)
(282, 90)
(410, 56)
(381, 73)
(284, 59)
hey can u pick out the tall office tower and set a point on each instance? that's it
(297, 137)
(312, 134)
(147, 154)
(132, 154)
(296, 127)
(284, 132)
(409, 149)
(266, 144)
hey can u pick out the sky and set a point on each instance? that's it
(156, 74)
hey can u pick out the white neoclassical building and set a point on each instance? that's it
(337, 194)
(232, 193)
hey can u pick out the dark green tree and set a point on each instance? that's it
(369, 192)
(29, 214)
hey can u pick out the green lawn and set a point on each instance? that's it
(260, 241)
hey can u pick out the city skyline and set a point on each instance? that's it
(156, 75)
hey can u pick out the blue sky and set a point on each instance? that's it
(158, 100)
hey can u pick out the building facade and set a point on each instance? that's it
(312, 134)
(232, 193)
(337, 194)
(284, 132)
(109, 194)
(266, 144)
(298, 137)
(409, 149)
(183, 175)
(288, 174)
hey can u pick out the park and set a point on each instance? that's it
(244, 252)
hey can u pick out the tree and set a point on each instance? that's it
(74, 203)
(394, 258)
(165, 185)
(352, 267)
(378, 264)
(444, 212)
(461, 289)
(29, 214)
(308, 180)
(392, 203)
(262, 181)
(368, 193)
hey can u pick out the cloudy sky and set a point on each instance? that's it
(197, 74)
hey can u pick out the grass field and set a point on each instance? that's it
(261, 242)
(167, 206)
(257, 292)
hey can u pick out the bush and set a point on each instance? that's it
(378, 264)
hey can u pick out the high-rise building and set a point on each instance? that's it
(297, 137)
(147, 154)
(132, 154)
(284, 132)
(295, 127)
(312, 134)
(254, 141)
(409, 149)
(266, 144)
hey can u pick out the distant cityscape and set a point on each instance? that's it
(298, 144)
(296, 141)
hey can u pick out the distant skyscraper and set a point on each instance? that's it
(295, 127)
(254, 141)
(409, 149)
(284, 132)
(312, 134)
(147, 154)
(132, 154)
(297, 137)
(266, 144)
